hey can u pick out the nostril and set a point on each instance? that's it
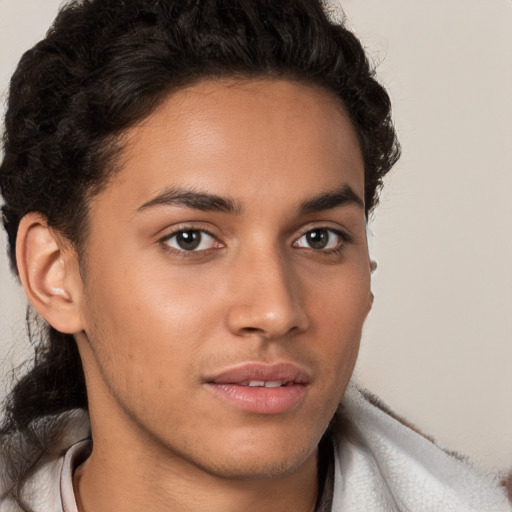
(251, 329)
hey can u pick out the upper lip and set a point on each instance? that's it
(286, 372)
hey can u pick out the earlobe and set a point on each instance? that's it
(371, 298)
(49, 273)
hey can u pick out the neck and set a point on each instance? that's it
(130, 483)
(128, 470)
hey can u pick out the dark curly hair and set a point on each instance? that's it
(106, 64)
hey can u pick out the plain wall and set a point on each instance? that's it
(437, 346)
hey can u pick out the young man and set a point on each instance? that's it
(186, 190)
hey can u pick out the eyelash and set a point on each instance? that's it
(164, 242)
(182, 253)
(335, 251)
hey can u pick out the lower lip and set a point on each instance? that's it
(260, 400)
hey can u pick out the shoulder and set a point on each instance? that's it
(384, 463)
(31, 478)
(41, 492)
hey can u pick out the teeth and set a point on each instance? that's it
(256, 383)
(273, 384)
(263, 383)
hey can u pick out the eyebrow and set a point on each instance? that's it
(213, 203)
(193, 199)
(341, 197)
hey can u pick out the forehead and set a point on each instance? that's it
(246, 139)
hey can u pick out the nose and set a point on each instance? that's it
(265, 298)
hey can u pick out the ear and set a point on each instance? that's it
(49, 272)
(371, 297)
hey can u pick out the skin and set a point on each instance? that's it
(153, 321)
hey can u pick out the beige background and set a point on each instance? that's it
(437, 346)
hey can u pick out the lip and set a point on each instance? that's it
(259, 371)
(228, 385)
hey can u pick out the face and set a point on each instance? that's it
(227, 278)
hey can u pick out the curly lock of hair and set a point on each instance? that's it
(105, 65)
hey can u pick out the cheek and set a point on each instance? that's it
(141, 323)
(146, 317)
(142, 294)
(341, 300)
(339, 310)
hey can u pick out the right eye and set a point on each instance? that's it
(191, 240)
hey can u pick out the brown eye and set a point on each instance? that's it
(190, 240)
(320, 239)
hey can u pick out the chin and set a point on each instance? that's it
(260, 467)
(260, 457)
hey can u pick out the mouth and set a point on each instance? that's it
(266, 384)
(260, 388)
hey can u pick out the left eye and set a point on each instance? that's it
(320, 239)
(191, 240)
